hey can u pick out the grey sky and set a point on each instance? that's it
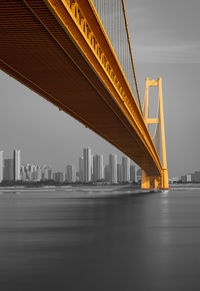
(166, 42)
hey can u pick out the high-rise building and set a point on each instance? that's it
(107, 173)
(16, 161)
(91, 167)
(186, 178)
(59, 177)
(87, 165)
(119, 173)
(23, 173)
(1, 166)
(195, 177)
(139, 174)
(32, 173)
(113, 168)
(50, 174)
(8, 173)
(38, 173)
(125, 169)
(133, 176)
(70, 174)
(81, 169)
(45, 173)
(98, 173)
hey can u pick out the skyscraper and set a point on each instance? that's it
(8, 173)
(1, 166)
(119, 173)
(50, 174)
(81, 169)
(113, 168)
(133, 176)
(87, 165)
(45, 173)
(70, 174)
(59, 177)
(16, 161)
(38, 173)
(139, 174)
(107, 173)
(23, 173)
(98, 173)
(125, 169)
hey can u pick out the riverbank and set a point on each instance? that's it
(75, 191)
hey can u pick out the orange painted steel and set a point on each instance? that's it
(60, 50)
(148, 181)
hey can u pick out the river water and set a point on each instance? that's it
(100, 241)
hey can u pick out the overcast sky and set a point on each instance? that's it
(165, 38)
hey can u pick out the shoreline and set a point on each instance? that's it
(68, 188)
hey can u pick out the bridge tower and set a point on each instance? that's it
(161, 182)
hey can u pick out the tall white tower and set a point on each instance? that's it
(81, 169)
(1, 166)
(125, 169)
(113, 168)
(98, 173)
(87, 165)
(17, 163)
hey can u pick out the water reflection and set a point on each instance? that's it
(51, 241)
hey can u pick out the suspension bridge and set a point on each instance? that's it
(77, 54)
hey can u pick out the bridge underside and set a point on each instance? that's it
(37, 51)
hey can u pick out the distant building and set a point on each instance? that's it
(87, 165)
(139, 175)
(91, 167)
(45, 173)
(70, 174)
(195, 177)
(23, 173)
(1, 166)
(119, 173)
(8, 173)
(50, 174)
(174, 180)
(38, 173)
(98, 173)
(59, 177)
(81, 169)
(133, 176)
(186, 179)
(17, 164)
(106, 173)
(125, 169)
(113, 168)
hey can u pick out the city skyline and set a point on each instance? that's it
(91, 168)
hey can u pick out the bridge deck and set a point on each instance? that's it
(37, 51)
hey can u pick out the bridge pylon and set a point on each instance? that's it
(161, 182)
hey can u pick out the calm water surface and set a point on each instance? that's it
(51, 241)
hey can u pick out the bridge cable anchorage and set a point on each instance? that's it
(130, 49)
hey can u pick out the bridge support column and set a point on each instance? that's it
(156, 183)
(162, 181)
(145, 183)
(150, 182)
(164, 176)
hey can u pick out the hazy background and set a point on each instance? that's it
(165, 38)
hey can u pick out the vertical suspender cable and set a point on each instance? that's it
(129, 43)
